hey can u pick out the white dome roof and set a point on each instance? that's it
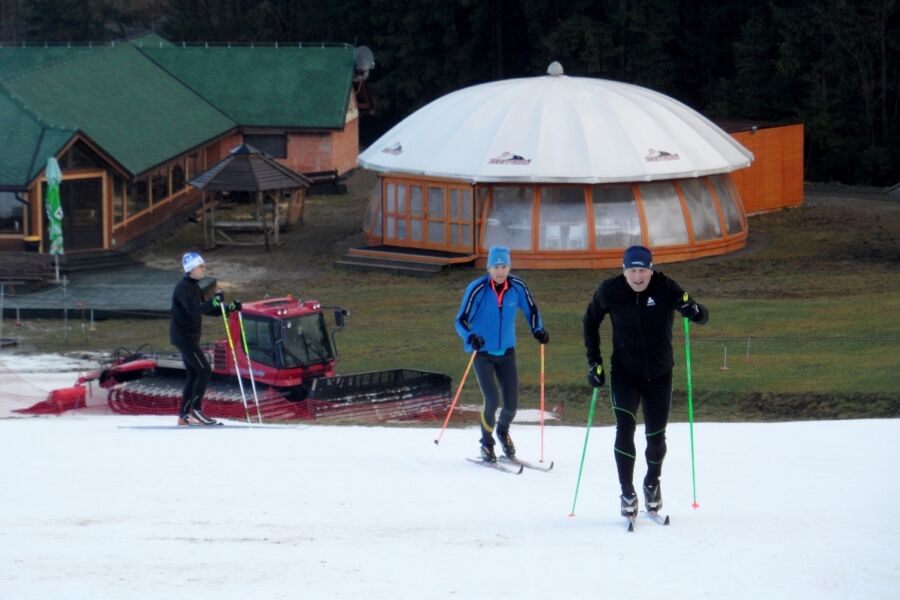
(556, 128)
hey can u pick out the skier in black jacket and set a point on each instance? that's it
(640, 303)
(188, 307)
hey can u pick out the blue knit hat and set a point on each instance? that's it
(637, 256)
(190, 261)
(498, 255)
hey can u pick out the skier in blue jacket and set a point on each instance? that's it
(486, 322)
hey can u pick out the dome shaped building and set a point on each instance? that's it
(566, 171)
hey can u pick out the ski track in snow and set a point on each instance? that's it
(95, 509)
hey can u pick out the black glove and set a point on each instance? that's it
(701, 316)
(234, 306)
(542, 336)
(476, 341)
(596, 375)
(694, 311)
(218, 299)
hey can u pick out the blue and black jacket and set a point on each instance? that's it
(492, 315)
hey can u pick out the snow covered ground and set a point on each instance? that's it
(97, 506)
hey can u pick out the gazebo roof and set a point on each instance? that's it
(556, 128)
(246, 169)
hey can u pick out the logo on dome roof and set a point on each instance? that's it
(508, 158)
(655, 155)
(395, 150)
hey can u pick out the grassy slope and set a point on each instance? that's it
(816, 292)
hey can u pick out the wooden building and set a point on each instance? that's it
(567, 172)
(775, 179)
(132, 123)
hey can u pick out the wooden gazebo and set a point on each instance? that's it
(247, 169)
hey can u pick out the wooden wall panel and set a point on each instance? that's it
(775, 178)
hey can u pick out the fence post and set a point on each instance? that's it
(65, 310)
(725, 356)
(2, 294)
(747, 358)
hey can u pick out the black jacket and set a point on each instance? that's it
(641, 323)
(188, 306)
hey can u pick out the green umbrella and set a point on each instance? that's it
(54, 210)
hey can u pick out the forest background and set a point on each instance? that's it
(833, 65)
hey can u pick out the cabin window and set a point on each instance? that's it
(616, 220)
(563, 219)
(80, 156)
(509, 218)
(665, 220)
(273, 144)
(193, 165)
(728, 198)
(159, 182)
(416, 212)
(118, 199)
(176, 176)
(12, 214)
(372, 223)
(138, 196)
(704, 216)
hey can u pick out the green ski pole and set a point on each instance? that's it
(687, 355)
(584, 450)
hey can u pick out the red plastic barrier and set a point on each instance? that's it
(59, 401)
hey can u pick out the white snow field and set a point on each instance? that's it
(107, 506)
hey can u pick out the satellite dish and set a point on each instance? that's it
(364, 59)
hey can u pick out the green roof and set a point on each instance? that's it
(130, 107)
(18, 59)
(146, 101)
(287, 86)
(26, 143)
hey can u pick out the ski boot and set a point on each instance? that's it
(653, 497)
(487, 454)
(188, 420)
(629, 505)
(509, 449)
(203, 419)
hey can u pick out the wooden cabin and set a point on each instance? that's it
(132, 123)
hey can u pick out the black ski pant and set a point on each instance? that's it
(655, 397)
(493, 371)
(197, 368)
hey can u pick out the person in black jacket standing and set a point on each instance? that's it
(640, 303)
(188, 307)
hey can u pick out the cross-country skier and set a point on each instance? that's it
(640, 303)
(188, 306)
(486, 323)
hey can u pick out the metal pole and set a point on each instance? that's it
(65, 310)
(456, 397)
(249, 366)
